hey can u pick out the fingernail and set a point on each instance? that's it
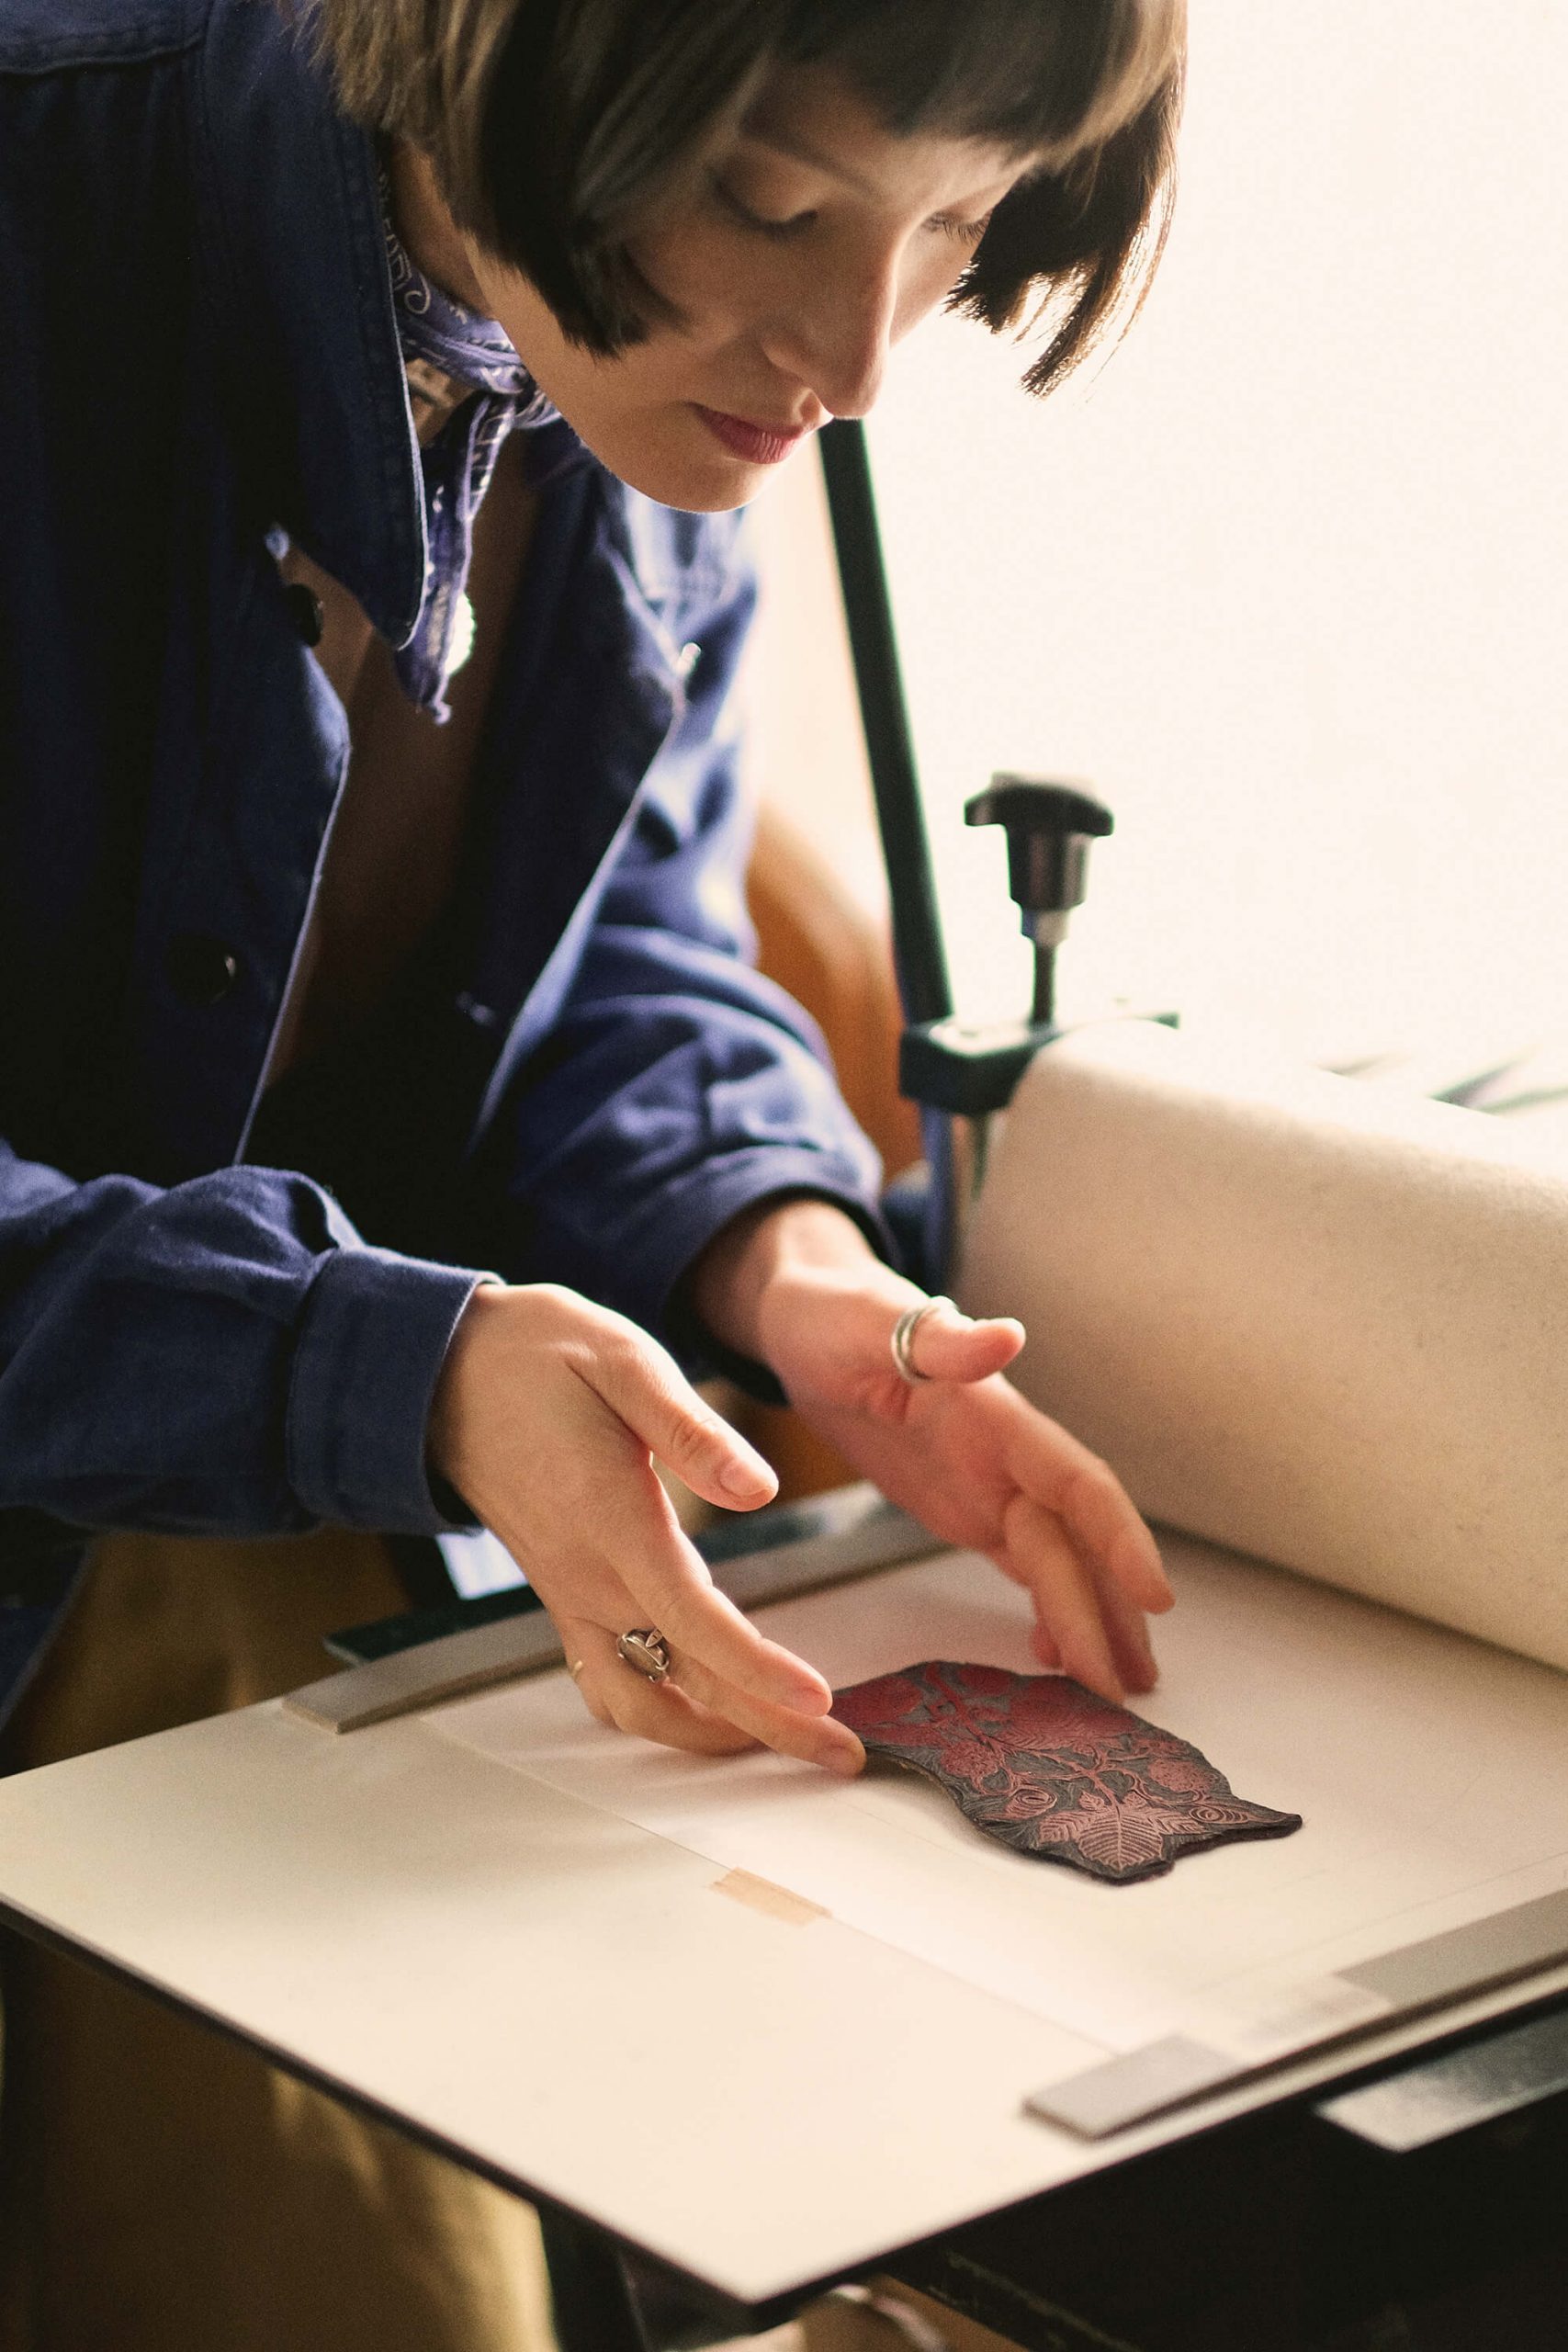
(739, 1477)
(846, 1763)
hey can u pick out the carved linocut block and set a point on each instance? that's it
(1039, 1763)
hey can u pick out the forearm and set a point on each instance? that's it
(780, 1249)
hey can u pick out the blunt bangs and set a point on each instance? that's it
(1046, 78)
(555, 125)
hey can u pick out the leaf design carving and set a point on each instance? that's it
(1043, 1764)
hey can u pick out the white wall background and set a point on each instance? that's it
(1286, 578)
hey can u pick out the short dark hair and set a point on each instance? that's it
(553, 125)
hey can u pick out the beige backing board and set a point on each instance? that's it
(472, 1918)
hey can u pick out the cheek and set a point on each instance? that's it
(927, 279)
(714, 290)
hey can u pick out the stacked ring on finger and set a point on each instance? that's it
(904, 1332)
(645, 1650)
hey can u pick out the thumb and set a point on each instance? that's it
(950, 1345)
(647, 1390)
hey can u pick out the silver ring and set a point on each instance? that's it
(904, 1332)
(645, 1649)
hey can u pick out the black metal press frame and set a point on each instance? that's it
(956, 1073)
(919, 954)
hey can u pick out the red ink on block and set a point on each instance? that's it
(1041, 1764)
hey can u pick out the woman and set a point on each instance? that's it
(387, 1101)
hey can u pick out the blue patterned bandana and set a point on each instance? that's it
(468, 389)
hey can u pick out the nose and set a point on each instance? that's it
(837, 337)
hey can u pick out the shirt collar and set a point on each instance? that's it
(474, 354)
(297, 244)
(296, 250)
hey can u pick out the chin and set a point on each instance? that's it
(712, 489)
(678, 469)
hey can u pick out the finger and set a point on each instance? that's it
(1065, 1595)
(587, 1650)
(665, 1584)
(1130, 1645)
(723, 1720)
(609, 1689)
(812, 1739)
(646, 1388)
(621, 1560)
(661, 1712)
(1086, 1494)
(1130, 1649)
(678, 1724)
(1044, 1648)
(671, 1585)
(948, 1345)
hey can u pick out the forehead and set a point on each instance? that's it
(815, 118)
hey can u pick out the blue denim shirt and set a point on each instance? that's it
(210, 1323)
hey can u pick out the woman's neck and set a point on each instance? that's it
(427, 228)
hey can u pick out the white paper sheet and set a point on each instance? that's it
(1430, 1771)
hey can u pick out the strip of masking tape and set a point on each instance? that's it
(774, 1902)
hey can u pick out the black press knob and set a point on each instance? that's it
(1049, 828)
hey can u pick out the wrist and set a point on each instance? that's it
(759, 1266)
(449, 1403)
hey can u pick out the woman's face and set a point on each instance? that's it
(808, 244)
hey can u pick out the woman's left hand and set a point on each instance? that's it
(799, 1287)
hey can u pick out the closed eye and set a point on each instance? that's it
(758, 221)
(967, 233)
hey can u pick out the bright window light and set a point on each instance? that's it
(1286, 578)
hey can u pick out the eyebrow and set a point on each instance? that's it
(801, 152)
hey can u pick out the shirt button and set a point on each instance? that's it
(304, 610)
(201, 970)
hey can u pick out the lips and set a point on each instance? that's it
(759, 444)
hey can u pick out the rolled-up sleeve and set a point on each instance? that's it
(222, 1357)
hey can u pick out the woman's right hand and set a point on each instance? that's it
(546, 1417)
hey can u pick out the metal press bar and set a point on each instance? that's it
(895, 778)
(787, 1549)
